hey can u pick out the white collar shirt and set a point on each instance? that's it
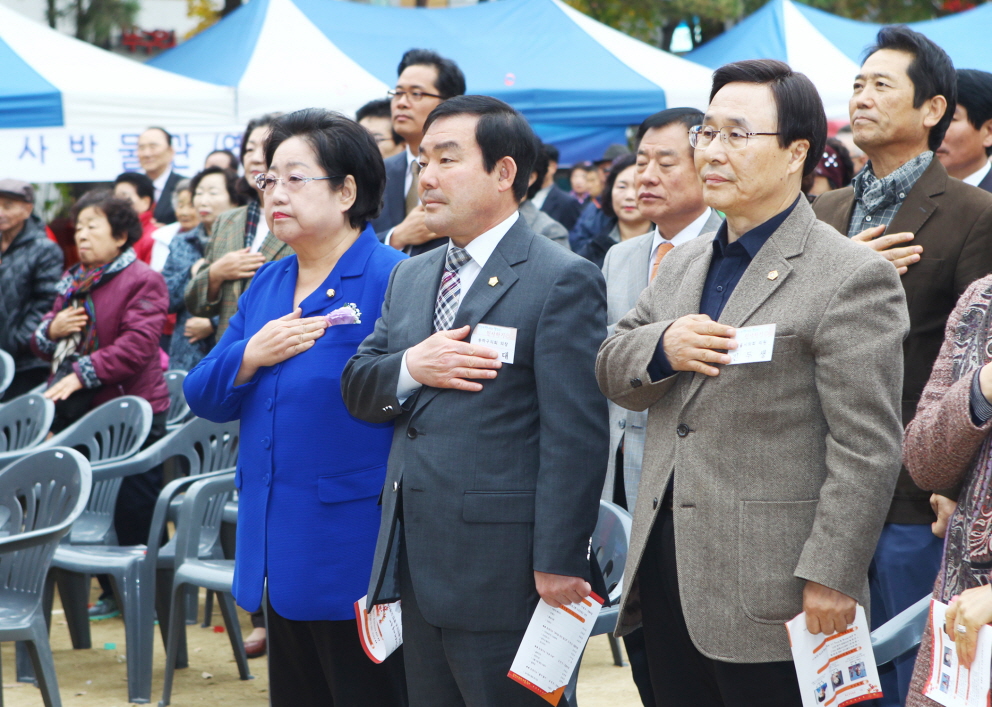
(159, 184)
(975, 178)
(693, 230)
(541, 197)
(261, 231)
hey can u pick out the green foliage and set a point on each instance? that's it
(654, 21)
(96, 20)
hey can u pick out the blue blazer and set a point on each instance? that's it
(309, 474)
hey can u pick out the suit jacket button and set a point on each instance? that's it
(412, 433)
(396, 485)
(635, 383)
(622, 424)
(682, 430)
(654, 504)
(388, 408)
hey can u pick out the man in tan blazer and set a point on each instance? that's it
(938, 233)
(764, 484)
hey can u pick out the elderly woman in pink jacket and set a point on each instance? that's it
(102, 340)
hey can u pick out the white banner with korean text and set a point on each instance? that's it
(81, 155)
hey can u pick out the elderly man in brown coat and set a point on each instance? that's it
(764, 484)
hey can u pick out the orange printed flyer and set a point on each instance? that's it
(834, 670)
(552, 646)
(380, 630)
(951, 684)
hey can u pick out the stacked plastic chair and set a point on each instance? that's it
(40, 497)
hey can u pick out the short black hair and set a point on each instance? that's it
(230, 183)
(120, 213)
(232, 161)
(342, 147)
(606, 198)
(551, 152)
(931, 71)
(142, 184)
(975, 96)
(168, 135)
(262, 121)
(663, 118)
(800, 110)
(541, 164)
(450, 79)
(379, 108)
(501, 132)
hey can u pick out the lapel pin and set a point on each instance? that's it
(493, 281)
(773, 275)
(330, 293)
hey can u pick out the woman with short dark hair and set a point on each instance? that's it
(624, 219)
(307, 527)
(102, 338)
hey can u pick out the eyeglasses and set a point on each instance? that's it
(266, 182)
(414, 95)
(700, 136)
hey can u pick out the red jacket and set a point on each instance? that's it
(130, 311)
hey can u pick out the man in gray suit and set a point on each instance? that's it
(670, 194)
(765, 484)
(498, 457)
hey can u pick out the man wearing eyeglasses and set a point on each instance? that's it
(426, 79)
(764, 484)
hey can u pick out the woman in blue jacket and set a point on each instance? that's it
(309, 474)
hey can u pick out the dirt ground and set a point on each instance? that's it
(97, 677)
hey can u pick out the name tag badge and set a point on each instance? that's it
(502, 339)
(754, 344)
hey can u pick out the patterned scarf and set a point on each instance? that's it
(251, 221)
(76, 288)
(968, 545)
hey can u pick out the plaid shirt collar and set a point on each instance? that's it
(877, 201)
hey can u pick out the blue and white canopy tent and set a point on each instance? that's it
(809, 40)
(50, 80)
(579, 82)
(70, 111)
(829, 49)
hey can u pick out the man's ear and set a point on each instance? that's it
(798, 151)
(506, 172)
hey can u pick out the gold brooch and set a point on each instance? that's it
(330, 293)
(773, 275)
(493, 281)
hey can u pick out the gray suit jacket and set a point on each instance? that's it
(782, 470)
(499, 483)
(626, 271)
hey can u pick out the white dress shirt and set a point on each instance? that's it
(541, 196)
(160, 249)
(261, 231)
(693, 230)
(159, 184)
(481, 248)
(976, 178)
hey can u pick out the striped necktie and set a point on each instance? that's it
(412, 195)
(449, 296)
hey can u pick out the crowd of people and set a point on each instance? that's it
(442, 361)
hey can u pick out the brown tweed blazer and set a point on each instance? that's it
(781, 471)
(228, 235)
(953, 223)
